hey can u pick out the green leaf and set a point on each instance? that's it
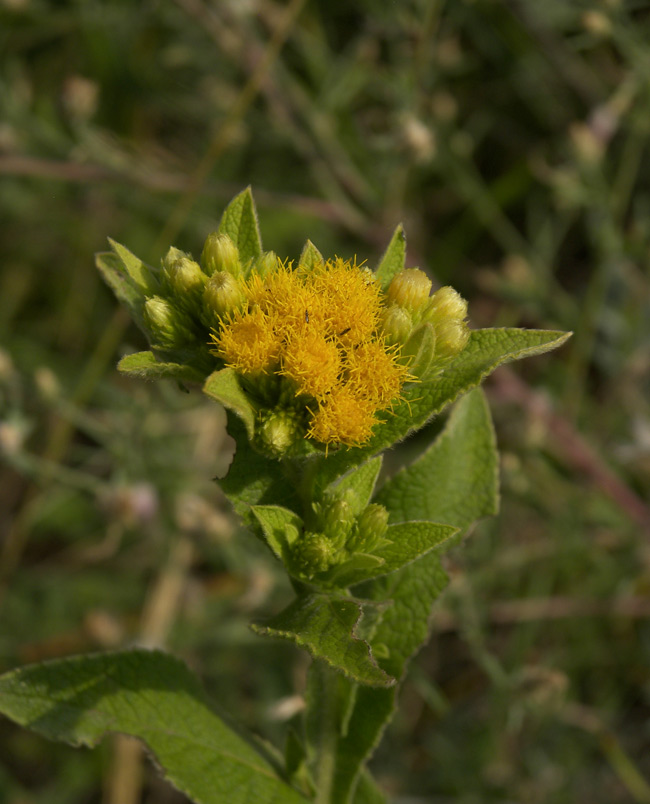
(361, 482)
(411, 540)
(154, 697)
(281, 528)
(393, 259)
(486, 350)
(127, 291)
(144, 276)
(254, 479)
(224, 386)
(239, 222)
(456, 480)
(146, 366)
(367, 791)
(310, 256)
(324, 625)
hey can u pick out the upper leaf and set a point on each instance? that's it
(393, 259)
(146, 366)
(281, 528)
(325, 625)
(310, 256)
(239, 222)
(456, 479)
(123, 286)
(154, 697)
(144, 276)
(361, 484)
(224, 386)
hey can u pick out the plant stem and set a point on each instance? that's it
(324, 704)
(326, 758)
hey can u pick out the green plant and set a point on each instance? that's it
(321, 367)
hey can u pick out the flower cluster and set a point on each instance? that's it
(321, 351)
(318, 329)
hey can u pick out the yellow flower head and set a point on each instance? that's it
(373, 372)
(312, 362)
(319, 329)
(247, 342)
(343, 418)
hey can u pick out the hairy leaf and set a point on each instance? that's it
(224, 386)
(456, 479)
(393, 259)
(154, 697)
(239, 222)
(324, 625)
(144, 276)
(310, 256)
(146, 366)
(361, 482)
(281, 527)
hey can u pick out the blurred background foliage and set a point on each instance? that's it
(510, 137)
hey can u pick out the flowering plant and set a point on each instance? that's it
(322, 365)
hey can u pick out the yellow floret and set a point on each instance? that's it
(248, 342)
(373, 372)
(351, 296)
(312, 362)
(343, 418)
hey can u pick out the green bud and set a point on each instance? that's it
(419, 351)
(445, 303)
(183, 280)
(222, 295)
(396, 324)
(372, 524)
(266, 264)
(167, 325)
(336, 521)
(313, 553)
(220, 254)
(410, 289)
(279, 432)
(451, 338)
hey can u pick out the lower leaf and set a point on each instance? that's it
(154, 697)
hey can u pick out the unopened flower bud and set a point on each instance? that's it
(313, 553)
(451, 338)
(166, 324)
(336, 521)
(183, 280)
(445, 303)
(220, 254)
(371, 527)
(419, 351)
(410, 289)
(266, 264)
(396, 324)
(279, 432)
(222, 294)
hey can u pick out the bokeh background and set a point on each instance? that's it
(510, 137)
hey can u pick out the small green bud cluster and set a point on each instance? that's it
(430, 329)
(338, 535)
(369, 530)
(186, 299)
